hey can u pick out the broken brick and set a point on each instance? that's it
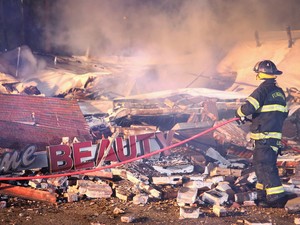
(245, 196)
(189, 212)
(186, 196)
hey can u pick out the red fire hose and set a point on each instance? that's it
(294, 149)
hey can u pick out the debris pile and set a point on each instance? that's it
(196, 179)
(106, 139)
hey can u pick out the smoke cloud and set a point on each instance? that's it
(177, 38)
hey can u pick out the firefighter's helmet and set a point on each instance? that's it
(266, 67)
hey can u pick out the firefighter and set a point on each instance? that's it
(268, 108)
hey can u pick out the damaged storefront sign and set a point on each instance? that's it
(21, 160)
(83, 155)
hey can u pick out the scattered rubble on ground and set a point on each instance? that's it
(210, 172)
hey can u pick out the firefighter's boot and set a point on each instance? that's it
(277, 200)
(261, 200)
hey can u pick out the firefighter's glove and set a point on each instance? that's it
(241, 119)
(279, 152)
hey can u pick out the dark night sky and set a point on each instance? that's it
(115, 26)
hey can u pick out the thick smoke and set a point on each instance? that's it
(175, 38)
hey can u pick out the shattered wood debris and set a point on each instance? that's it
(141, 182)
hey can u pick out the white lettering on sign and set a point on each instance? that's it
(10, 161)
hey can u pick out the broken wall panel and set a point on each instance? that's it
(39, 120)
(171, 107)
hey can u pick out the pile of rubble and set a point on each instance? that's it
(195, 178)
(214, 170)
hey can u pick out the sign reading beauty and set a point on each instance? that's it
(85, 155)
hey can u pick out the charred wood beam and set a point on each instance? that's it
(27, 193)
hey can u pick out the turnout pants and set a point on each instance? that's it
(264, 162)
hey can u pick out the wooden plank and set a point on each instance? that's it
(27, 193)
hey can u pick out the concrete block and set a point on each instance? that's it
(103, 191)
(178, 169)
(186, 196)
(94, 190)
(215, 197)
(293, 205)
(199, 184)
(216, 179)
(223, 186)
(189, 212)
(226, 172)
(219, 211)
(175, 180)
(245, 196)
(201, 177)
